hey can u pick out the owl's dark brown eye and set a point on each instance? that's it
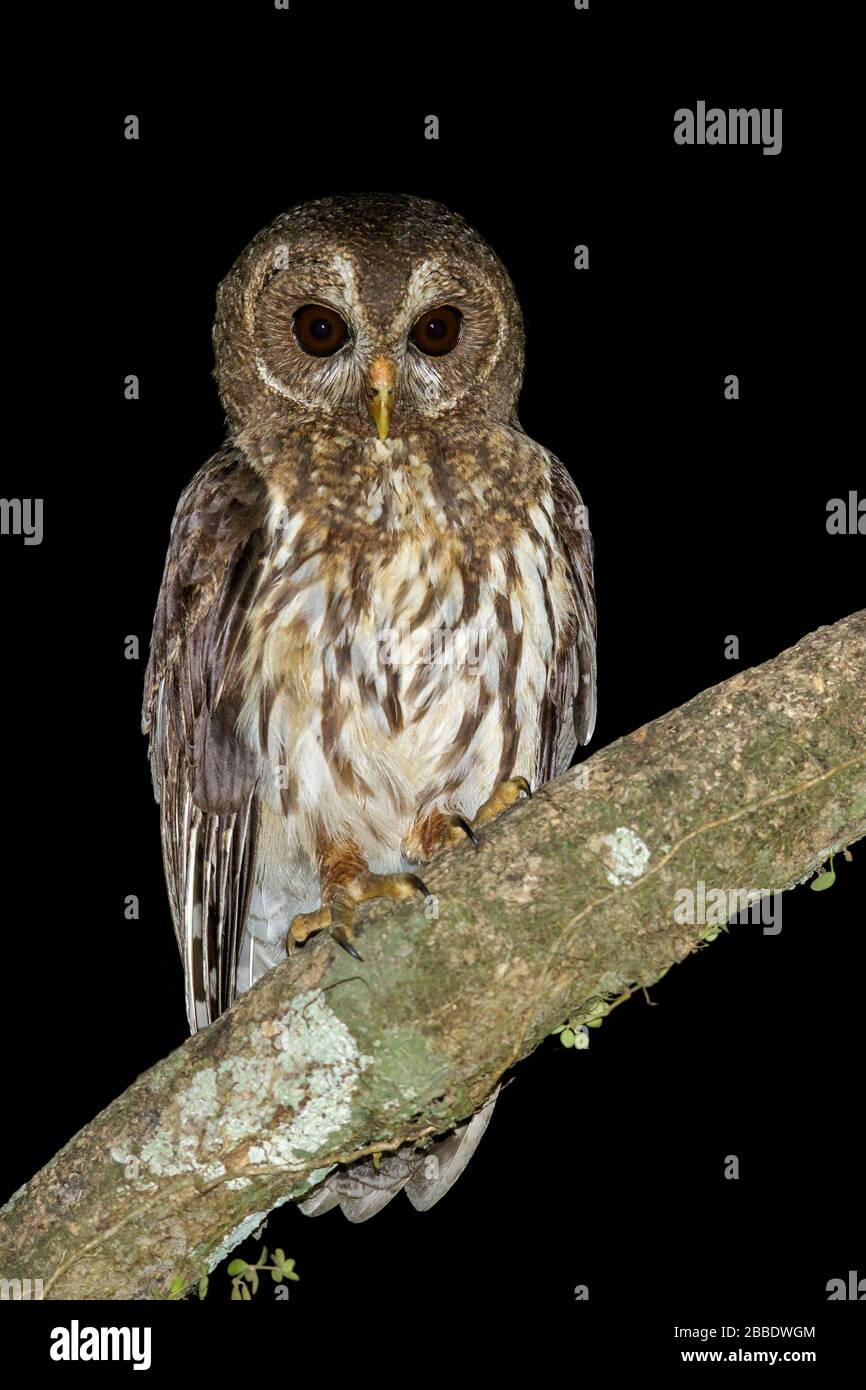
(319, 330)
(437, 331)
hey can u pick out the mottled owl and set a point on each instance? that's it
(376, 625)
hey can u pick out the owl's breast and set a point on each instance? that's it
(386, 680)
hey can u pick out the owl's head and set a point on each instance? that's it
(382, 311)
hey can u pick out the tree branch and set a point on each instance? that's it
(569, 901)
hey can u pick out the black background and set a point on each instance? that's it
(602, 1168)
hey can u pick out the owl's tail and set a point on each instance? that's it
(424, 1175)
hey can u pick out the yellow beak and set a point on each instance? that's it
(383, 375)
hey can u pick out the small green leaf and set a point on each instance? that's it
(560, 1029)
(566, 1037)
(823, 881)
(279, 1258)
(237, 1267)
(202, 1286)
(263, 1257)
(277, 1276)
(176, 1288)
(236, 1293)
(246, 1296)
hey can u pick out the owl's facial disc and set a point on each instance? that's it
(383, 312)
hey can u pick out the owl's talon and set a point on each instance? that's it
(440, 830)
(461, 823)
(415, 883)
(339, 912)
(502, 797)
(341, 935)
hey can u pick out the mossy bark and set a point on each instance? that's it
(569, 901)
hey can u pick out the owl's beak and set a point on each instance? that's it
(383, 375)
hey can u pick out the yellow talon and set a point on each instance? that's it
(339, 912)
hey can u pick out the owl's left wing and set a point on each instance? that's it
(204, 776)
(568, 710)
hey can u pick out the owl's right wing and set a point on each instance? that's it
(568, 711)
(204, 778)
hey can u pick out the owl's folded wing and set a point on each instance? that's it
(204, 779)
(568, 712)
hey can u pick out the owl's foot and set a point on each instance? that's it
(503, 796)
(439, 831)
(338, 913)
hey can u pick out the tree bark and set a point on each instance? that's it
(569, 902)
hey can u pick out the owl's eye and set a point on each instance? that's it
(437, 331)
(319, 330)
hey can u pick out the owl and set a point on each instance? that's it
(376, 625)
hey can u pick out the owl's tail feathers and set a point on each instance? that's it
(425, 1175)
